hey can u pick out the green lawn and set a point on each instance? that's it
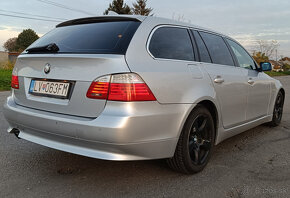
(5, 79)
(272, 73)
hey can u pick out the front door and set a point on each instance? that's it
(258, 83)
(259, 94)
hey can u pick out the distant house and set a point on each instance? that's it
(12, 56)
(285, 60)
(276, 65)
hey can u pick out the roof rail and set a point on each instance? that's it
(112, 13)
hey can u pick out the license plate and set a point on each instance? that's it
(49, 88)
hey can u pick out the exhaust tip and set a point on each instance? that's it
(16, 132)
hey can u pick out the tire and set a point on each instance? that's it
(278, 110)
(195, 143)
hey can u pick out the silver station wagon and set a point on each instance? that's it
(139, 88)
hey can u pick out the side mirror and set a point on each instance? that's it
(265, 66)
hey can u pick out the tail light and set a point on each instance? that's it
(120, 87)
(99, 88)
(14, 82)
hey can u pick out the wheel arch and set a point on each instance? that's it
(283, 92)
(212, 107)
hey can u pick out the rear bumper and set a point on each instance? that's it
(123, 131)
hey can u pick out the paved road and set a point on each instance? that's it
(255, 163)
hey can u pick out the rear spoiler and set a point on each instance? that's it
(96, 20)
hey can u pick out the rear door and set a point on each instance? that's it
(258, 83)
(228, 80)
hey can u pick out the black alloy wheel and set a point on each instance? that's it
(195, 143)
(278, 110)
(199, 139)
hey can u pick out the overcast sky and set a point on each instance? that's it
(244, 20)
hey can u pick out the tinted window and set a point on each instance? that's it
(243, 57)
(171, 43)
(218, 49)
(103, 37)
(203, 53)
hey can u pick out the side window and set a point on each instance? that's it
(218, 49)
(171, 43)
(203, 53)
(243, 57)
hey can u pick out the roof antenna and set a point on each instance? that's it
(112, 13)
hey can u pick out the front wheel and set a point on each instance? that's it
(278, 110)
(195, 143)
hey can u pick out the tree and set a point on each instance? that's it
(260, 57)
(139, 8)
(119, 7)
(11, 45)
(266, 47)
(26, 38)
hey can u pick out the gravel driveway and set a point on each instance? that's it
(255, 163)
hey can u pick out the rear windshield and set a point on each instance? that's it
(101, 38)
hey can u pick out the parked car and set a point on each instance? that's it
(139, 88)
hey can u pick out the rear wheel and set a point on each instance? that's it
(195, 144)
(278, 110)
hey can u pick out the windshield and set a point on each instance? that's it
(102, 37)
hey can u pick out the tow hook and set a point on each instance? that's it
(15, 132)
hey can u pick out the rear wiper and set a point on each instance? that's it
(52, 47)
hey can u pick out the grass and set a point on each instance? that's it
(6, 68)
(272, 73)
(5, 79)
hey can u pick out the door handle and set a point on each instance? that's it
(219, 79)
(251, 81)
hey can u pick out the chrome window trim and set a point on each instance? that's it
(150, 37)
(236, 64)
(176, 26)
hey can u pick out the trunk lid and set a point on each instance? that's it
(80, 69)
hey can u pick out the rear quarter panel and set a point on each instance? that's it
(171, 81)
